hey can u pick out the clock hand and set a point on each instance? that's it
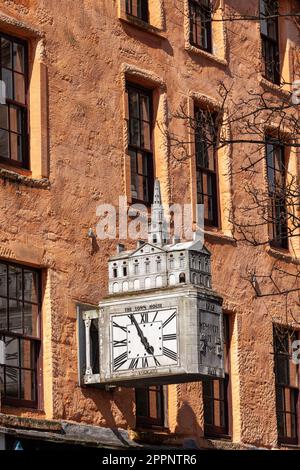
(144, 340)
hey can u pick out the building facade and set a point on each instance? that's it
(97, 102)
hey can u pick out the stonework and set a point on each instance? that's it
(81, 54)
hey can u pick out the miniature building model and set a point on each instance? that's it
(157, 263)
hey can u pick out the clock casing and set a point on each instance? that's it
(163, 336)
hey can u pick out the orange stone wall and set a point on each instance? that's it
(82, 51)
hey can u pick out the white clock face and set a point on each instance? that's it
(144, 340)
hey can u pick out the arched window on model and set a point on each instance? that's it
(181, 260)
(147, 266)
(125, 271)
(136, 267)
(182, 278)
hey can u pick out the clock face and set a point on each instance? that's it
(144, 340)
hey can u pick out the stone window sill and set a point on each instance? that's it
(142, 25)
(196, 50)
(283, 255)
(24, 177)
(273, 86)
(218, 236)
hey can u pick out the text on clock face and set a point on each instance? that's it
(144, 340)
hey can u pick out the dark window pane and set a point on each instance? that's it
(94, 346)
(30, 286)
(19, 88)
(12, 382)
(27, 354)
(15, 282)
(135, 138)
(200, 24)
(12, 352)
(18, 354)
(286, 388)
(7, 77)
(31, 320)
(4, 144)
(134, 107)
(3, 279)
(15, 119)
(137, 8)
(142, 402)
(145, 108)
(16, 147)
(15, 316)
(28, 387)
(145, 135)
(12, 118)
(3, 116)
(3, 314)
(6, 53)
(149, 406)
(19, 62)
(142, 178)
(2, 391)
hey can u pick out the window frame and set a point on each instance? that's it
(148, 154)
(282, 387)
(277, 240)
(268, 41)
(213, 174)
(147, 421)
(211, 430)
(25, 163)
(144, 7)
(200, 9)
(35, 340)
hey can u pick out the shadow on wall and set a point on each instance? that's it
(112, 409)
(188, 426)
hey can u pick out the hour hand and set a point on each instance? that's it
(149, 349)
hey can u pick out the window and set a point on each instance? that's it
(200, 24)
(276, 174)
(287, 385)
(138, 8)
(206, 166)
(140, 143)
(216, 394)
(19, 334)
(270, 41)
(14, 113)
(149, 406)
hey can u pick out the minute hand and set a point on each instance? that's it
(144, 340)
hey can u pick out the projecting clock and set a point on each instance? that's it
(145, 340)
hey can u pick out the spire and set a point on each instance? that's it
(158, 233)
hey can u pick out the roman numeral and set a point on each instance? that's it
(123, 328)
(155, 317)
(171, 317)
(145, 362)
(144, 317)
(119, 344)
(120, 360)
(134, 363)
(170, 354)
(169, 337)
